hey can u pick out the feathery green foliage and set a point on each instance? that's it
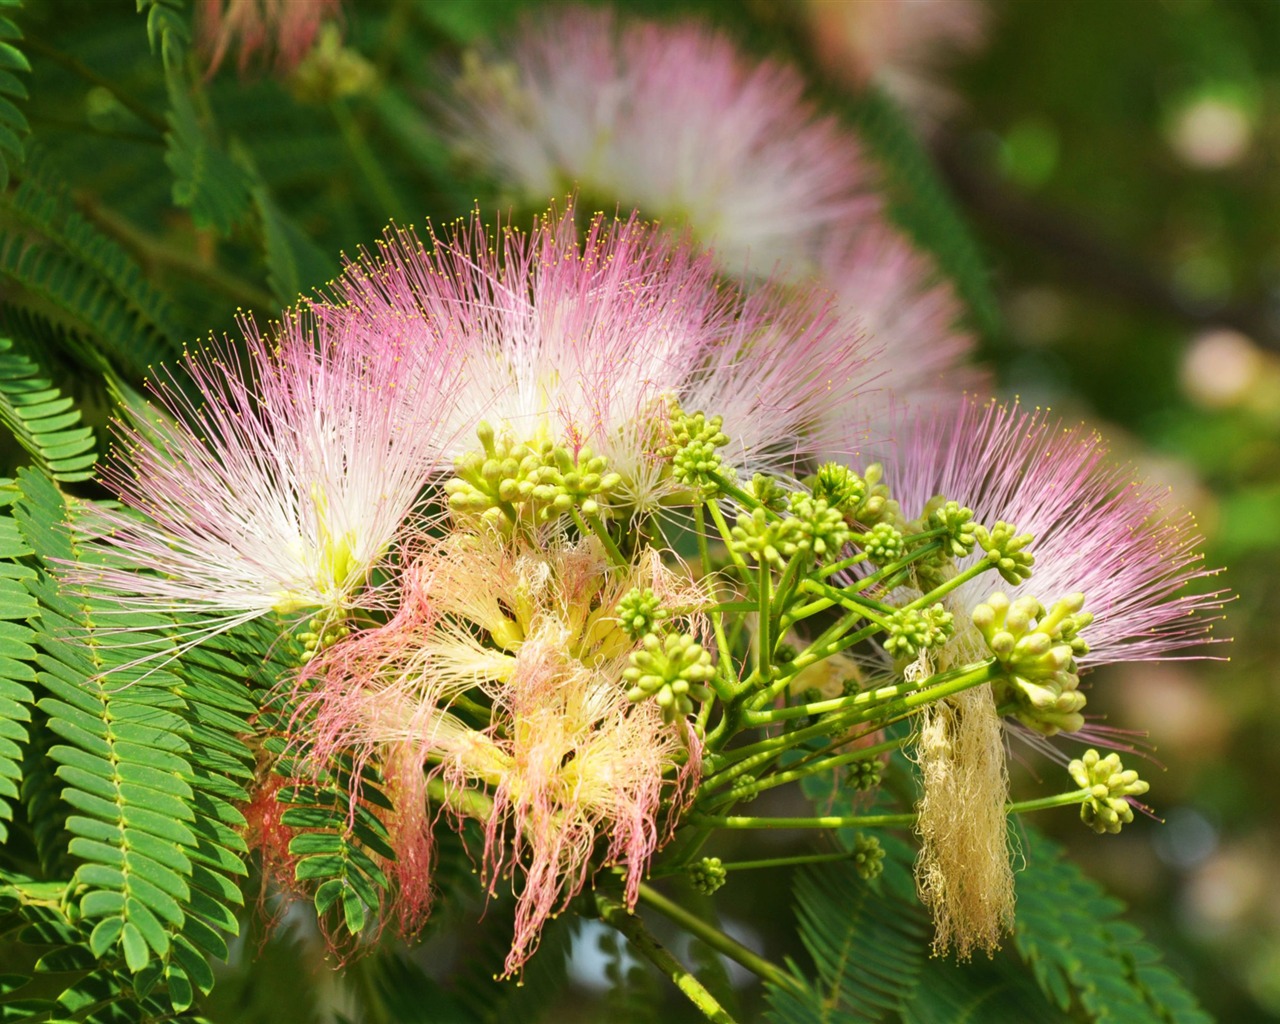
(13, 124)
(46, 423)
(1084, 956)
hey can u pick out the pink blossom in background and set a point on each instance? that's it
(902, 46)
(672, 119)
(280, 32)
(912, 318)
(1096, 530)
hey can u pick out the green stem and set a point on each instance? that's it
(821, 821)
(717, 940)
(616, 916)
(727, 536)
(1044, 803)
(596, 526)
(958, 580)
(942, 686)
(786, 862)
(813, 768)
(862, 606)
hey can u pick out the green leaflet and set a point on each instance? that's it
(46, 423)
(152, 767)
(13, 124)
(1082, 954)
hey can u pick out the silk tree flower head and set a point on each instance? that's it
(586, 342)
(568, 767)
(282, 32)
(671, 119)
(912, 319)
(1101, 542)
(278, 487)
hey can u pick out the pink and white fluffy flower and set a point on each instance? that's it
(585, 341)
(279, 488)
(669, 118)
(282, 31)
(1096, 530)
(568, 770)
(912, 318)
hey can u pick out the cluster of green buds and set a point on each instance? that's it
(1005, 546)
(1037, 651)
(821, 529)
(868, 857)
(960, 531)
(692, 450)
(861, 499)
(673, 670)
(865, 774)
(546, 479)
(765, 539)
(1109, 786)
(708, 875)
(640, 611)
(911, 631)
(884, 543)
(320, 635)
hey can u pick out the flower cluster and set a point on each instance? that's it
(457, 482)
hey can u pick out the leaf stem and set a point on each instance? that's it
(617, 916)
(718, 940)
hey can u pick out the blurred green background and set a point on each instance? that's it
(1119, 163)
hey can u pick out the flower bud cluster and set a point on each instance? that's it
(708, 875)
(912, 630)
(862, 499)
(674, 671)
(956, 520)
(1035, 649)
(548, 479)
(692, 450)
(865, 774)
(764, 539)
(868, 857)
(884, 543)
(639, 611)
(1004, 547)
(1109, 786)
(322, 634)
(821, 529)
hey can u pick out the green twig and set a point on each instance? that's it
(617, 916)
(718, 940)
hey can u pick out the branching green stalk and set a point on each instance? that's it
(717, 940)
(867, 609)
(956, 581)
(819, 764)
(943, 685)
(616, 916)
(727, 536)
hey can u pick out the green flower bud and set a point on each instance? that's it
(1003, 545)
(912, 631)
(865, 774)
(883, 544)
(708, 875)
(956, 520)
(639, 611)
(821, 529)
(763, 539)
(692, 450)
(674, 672)
(868, 857)
(769, 492)
(1036, 649)
(1108, 785)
